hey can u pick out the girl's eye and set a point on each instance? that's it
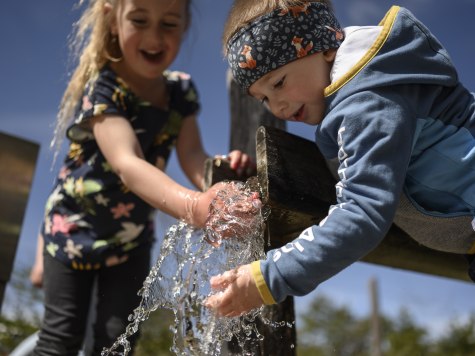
(169, 24)
(139, 22)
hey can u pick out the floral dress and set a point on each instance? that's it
(91, 218)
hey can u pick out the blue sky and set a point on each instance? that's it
(33, 72)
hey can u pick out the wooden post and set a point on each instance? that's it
(375, 319)
(17, 164)
(247, 114)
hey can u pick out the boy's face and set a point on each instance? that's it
(294, 91)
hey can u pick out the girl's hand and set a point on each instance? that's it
(235, 212)
(200, 205)
(36, 274)
(240, 162)
(225, 210)
(236, 294)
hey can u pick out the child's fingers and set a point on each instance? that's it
(221, 281)
(222, 303)
(241, 162)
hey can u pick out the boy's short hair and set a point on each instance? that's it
(244, 12)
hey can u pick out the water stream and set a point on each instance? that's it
(179, 280)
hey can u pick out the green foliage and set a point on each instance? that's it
(330, 330)
(155, 335)
(24, 312)
(406, 338)
(459, 340)
(12, 332)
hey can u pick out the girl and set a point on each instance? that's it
(129, 112)
(391, 118)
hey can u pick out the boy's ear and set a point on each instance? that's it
(329, 55)
(108, 11)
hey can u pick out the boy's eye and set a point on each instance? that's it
(280, 83)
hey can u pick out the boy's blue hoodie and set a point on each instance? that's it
(401, 128)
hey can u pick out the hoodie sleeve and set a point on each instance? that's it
(371, 134)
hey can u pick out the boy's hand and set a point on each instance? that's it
(237, 293)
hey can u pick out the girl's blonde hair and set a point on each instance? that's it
(243, 12)
(92, 45)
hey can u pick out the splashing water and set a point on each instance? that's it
(188, 259)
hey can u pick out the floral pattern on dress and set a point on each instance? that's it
(92, 219)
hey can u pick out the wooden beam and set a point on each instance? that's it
(247, 114)
(17, 164)
(298, 187)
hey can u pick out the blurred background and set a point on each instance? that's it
(34, 71)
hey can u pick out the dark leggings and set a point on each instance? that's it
(68, 296)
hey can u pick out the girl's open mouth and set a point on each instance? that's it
(152, 57)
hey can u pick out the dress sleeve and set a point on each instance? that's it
(184, 95)
(104, 95)
(371, 133)
(184, 102)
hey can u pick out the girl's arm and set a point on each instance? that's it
(36, 273)
(121, 148)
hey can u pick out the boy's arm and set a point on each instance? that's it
(374, 134)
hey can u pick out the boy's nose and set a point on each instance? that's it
(280, 109)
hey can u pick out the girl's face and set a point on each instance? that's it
(149, 33)
(294, 91)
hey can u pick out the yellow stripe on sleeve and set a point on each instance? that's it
(261, 283)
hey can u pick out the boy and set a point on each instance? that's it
(391, 116)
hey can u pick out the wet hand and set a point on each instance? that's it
(234, 213)
(200, 205)
(236, 293)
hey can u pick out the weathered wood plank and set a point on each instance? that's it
(17, 164)
(247, 114)
(298, 187)
(285, 164)
(278, 341)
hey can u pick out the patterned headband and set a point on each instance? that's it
(280, 37)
